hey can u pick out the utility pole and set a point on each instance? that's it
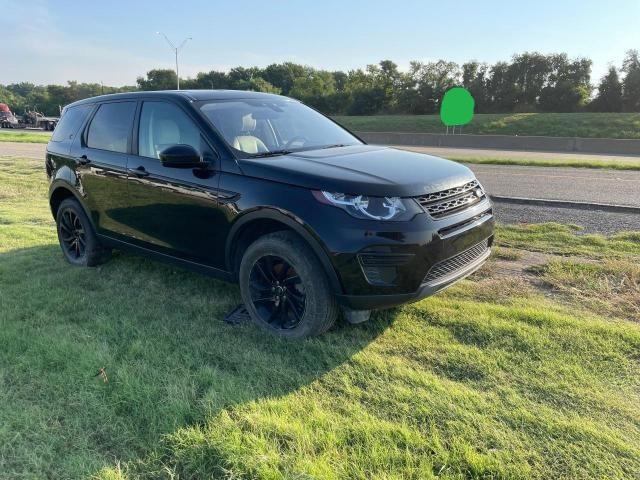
(176, 50)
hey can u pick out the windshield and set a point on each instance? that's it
(263, 127)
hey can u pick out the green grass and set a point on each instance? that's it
(24, 137)
(560, 162)
(487, 380)
(562, 240)
(587, 125)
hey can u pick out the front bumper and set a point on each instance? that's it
(407, 251)
(372, 302)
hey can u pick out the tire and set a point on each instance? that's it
(78, 241)
(299, 275)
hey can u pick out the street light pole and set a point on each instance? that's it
(175, 51)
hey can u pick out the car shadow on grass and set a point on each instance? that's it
(169, 359)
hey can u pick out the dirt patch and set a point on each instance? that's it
(610, 287)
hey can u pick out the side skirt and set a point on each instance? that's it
(170, 259)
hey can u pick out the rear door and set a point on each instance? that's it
(101, 158)
(174, 210)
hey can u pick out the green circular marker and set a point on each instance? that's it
(457, 107)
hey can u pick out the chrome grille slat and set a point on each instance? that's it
(457, 262)
(432, 197)
(445, 202)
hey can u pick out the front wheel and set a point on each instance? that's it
(284, 287)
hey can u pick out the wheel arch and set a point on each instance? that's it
(60, 191)
(251, 225)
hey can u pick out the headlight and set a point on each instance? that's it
(373, 208)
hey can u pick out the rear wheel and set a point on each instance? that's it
(78, 241)
(284, 287)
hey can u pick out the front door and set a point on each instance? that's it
(173, 210)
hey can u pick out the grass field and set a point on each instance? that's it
(626, 164)
(588, 125)
(494, 378)
(24, 137)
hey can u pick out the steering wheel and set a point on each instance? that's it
(298, 138)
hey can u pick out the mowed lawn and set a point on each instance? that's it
(588, 125)
(24, 136)
(494, 378)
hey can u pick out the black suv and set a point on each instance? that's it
(262, 190)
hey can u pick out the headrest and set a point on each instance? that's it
(248, 123)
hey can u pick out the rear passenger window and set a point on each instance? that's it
(111, 127)
(70, 122)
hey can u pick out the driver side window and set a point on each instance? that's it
(163, 125)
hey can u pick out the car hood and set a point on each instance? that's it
(361, 169)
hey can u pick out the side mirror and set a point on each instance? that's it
(181, 156)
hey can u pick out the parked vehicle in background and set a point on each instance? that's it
(31, 119)
(35, 119)
(7, 118)
(261, 190)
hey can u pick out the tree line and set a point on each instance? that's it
(529, 82)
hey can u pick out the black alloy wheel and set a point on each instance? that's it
(73, 235)
(277, 292)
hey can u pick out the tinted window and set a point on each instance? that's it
(163, 125)
(70, 122)
(111, 127)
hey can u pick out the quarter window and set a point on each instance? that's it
(70, 123)
(111, 127)
(163, 125)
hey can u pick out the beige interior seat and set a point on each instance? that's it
(246, 142)
(166, 134)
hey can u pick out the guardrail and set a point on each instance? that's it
(609, 146)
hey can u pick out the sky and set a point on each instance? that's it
(115, 41)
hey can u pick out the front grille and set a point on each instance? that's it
(456, 263)
(452, 200)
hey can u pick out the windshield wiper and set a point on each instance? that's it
(273, 153)
(334, 146)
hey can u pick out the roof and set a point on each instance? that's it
(192, 95)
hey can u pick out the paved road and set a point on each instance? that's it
(28, 150)
(593, 221)
(621, 187)
(578, 184)
(463, 153)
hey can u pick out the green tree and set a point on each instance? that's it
(240, 78)
(315, 88)
(529, 73)
(259, 84)
(158, 79)
(609, 98)
(501, 91)
(211, 80)
(283, 75)
(631, 83)
(569, 86)
(474, 79)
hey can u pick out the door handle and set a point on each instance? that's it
(139, 172)
(83, 160)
